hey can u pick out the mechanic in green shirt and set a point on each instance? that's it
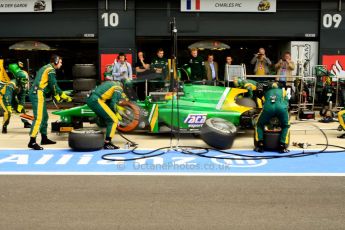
(44, 86)
(12, 95)
(159, 64)
(103, 101)
(251, 86)
(197, 67)
(247, 84)
(276, 105)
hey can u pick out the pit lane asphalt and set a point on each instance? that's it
(171, 202)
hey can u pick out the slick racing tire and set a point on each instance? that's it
(84, 71)
(248, 102)
(271, 140)
(218, 133)
(86, 140)
(84, 84)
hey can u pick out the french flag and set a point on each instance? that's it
(193, 5)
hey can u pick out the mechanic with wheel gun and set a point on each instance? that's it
(104, 101)
(13, 93)
(44, 86)
(275, 105)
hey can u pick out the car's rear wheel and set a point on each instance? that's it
(130, 117)
(244, 101)
(218, 133)
(86, 140)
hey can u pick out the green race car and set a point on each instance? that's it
(186, 110)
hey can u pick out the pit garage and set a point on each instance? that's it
(188, 163)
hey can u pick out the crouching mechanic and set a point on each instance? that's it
(251, 86)
(12, 95)
(103, 101)
(43, 86)
(247, 84)
(275, 105)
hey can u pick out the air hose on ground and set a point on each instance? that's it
(202, 152)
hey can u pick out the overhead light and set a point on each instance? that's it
(209, 44)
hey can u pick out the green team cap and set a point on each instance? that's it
(13, 68)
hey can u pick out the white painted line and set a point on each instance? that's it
(222, 99)
(145, 149)
(167, 174)
(27, 149)
(152, 112)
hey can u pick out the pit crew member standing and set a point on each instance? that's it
(103, 101)
(22, 78)
(44, 85)
(276, 105)
(12, 95)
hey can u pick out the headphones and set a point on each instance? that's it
(55, 59)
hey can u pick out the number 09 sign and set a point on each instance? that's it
(331, 20)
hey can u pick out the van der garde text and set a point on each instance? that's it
(13, 5)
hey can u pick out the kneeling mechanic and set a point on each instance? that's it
(103, 101)
(276, 105)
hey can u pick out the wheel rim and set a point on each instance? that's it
(223, 126)
(130, 117)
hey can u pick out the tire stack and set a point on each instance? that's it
(84, 81)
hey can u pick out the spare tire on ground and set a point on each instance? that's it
(218, 133)
(84, 84)
(84, 71)
(86, 140)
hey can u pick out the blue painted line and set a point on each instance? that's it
(174, 163)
